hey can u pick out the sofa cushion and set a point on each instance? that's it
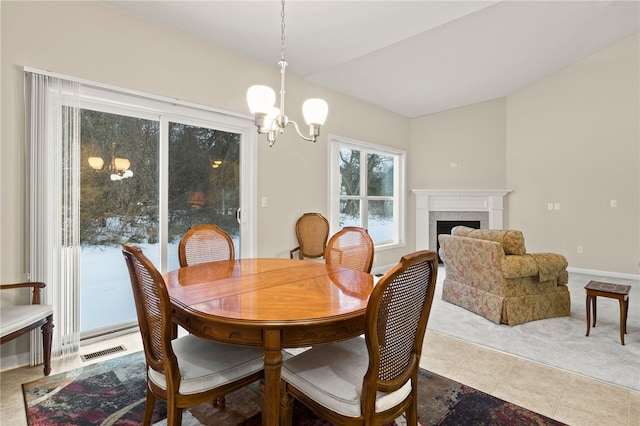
(512, 241)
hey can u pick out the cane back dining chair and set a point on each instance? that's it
(205, 243)
(312, 231)
(370, 380)
(189, 370)
(351, 247)
(16, 320)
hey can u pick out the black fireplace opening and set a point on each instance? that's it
(445, 227)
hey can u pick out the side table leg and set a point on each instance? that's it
(623, 319)
(589, 297)
(626, 313)
(594, 303)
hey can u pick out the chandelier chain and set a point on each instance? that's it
(282, 32)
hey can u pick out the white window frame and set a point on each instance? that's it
(335, 144)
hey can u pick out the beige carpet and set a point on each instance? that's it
(558, 342)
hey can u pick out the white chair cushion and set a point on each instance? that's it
(332, 376)
(206, 364)
(16, 317)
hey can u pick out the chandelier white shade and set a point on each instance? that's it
(315, 111)
(260, 99)
(271, 120)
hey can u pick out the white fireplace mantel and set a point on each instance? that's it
(456, 200)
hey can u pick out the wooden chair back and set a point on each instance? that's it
(312, 231)
(154, 313)
(396, 321)
(158, 330)
(351, 247)
(205, 243)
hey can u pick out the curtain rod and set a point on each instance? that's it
(138, 93)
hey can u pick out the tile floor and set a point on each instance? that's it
(564, 396)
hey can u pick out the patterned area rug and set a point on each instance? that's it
(113, 393)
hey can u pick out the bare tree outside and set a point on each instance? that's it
(372, 183)
(204, 167)
(116, 211)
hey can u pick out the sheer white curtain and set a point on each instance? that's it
(53, 147)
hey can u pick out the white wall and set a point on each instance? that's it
(574, 139)
(471, 137)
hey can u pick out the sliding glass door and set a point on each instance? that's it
(204, 184)
(146, 178)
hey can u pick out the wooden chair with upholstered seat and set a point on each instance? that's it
(370, 380)
(189, 370)
(205, 243)
(312, 231)
(16, 320)
(351, 247)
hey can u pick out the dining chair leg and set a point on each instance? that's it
(149, 405)
(412, 412)
(286, 405)
(220, 403)
(174, 415)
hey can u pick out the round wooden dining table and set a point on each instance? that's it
(271, 303)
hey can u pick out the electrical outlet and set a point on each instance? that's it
(549, 206)
(614, 204)
(453, 165)
(265, 202)
(556, 206)
(580, 250)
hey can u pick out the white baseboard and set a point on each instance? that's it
(11, 362)
(604, 273)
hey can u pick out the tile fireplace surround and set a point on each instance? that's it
(432, 205)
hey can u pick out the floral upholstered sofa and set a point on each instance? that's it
(490, 273)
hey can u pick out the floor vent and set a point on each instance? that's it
(104, 352)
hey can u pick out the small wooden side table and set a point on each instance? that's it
(614, 291)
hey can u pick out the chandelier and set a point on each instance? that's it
(271, 120)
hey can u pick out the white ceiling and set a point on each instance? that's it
(410, 57)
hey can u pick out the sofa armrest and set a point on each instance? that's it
(546, 266)
(550, 265)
